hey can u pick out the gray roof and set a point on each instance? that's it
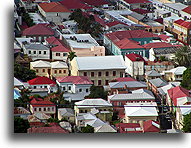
(152, 73)
(176, 6)
(66, 112)
(137, 16)
(100, 62)
(75, 97)
(163, 90)
(158, 82)
(168, 50)
(36, 46)
(129, 84)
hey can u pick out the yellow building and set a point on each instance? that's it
(100, 69)
(59, 69)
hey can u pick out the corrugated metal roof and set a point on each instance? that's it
(158, 82)
(128, 84)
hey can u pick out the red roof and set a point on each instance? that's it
(164, 37)
(75, 80)
(96, 2)
(183, 23)
(74, 4)
(151, 126)
(60, 48)
(41, 103)
(51, 129)
(141, 11)
(110, 24)
(41, 81)
(157, 45)
(177, 92)
(53, 7)
(125, 79)
(187, 9)
(136, 1)
(129, 34)
(135, 57)
(128, 44)
(159, 20)
(123, 126)
(53, 40)
(39, 29)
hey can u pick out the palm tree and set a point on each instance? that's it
(71, 55)
(183, 56)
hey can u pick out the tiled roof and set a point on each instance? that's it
(40, 81)
(178, 92)
(130, 34)
(183, 23)
(60, 48)
(128, 44)
(135, 57)
(187, 9)
(151, 126)
(163, 37)
(53, 7)
(74, 80)
(53, 40)
(39, 29)
(37, 103)
(157, 45)
(125, 79)
(137, 1)
(74, 4)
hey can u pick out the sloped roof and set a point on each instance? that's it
(187, 9)
(152, 73)
(58, 64)
(178, 70)
(128, 44)
(106, 128)
(53, 7)
(41, 116)
(36, 46)
(39, 29)
(157, 45)
(95, 3)
(158, 82)
(124, 79)
(74, 4)
(128, 84)
(183, 23)
(185, 109)
(40, 63)
(129, 127)
(95, 123)
(141, 11)
(135, 57)
(177, 92)
(151, 126)
(100, 62)
(40, 81)
(41, 103)
(97, 102)
(66, 112)
(53, 40)
(137, 1)
(74, 79)
(17, 82)
(163, 90)
(140, 109)
(183, 100)
(60, 48)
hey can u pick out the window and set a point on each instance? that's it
(45, 86)
(92, 81)
(80, 90)
(37, 70)
(55, 71)
(87, 90)
(43, 70)
(92, 74)
(34, 87)
(64, 54)
(45, 109)
(85, 73)
(48, 109)
(44, 52)
(35, 109)
(39, 52)
(29, 52)
(39, 109)
(69, 87)
(106, 82)
(52, 108)
(99, 82)
(86, 111)
(99, 73)
(60, 71)
(57, 54)
(114, 73)
(64, 88)
(64, 71)
(106, 73)
(34, 52)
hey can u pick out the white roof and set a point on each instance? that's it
(92, 103)
(163, 90)
(37, 19)
(40, 63)
(100, 62)
(176, 6)
(177, 71)
(80, 41)
(183, 100)
(17, 82)
(58, 64)
(152, 73)
(141, 109)
(185, 109)
(106, 128)
(95, 123)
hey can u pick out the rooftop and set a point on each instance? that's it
(152, 73)
(136, 1)
(176, 6)
(187, 9)
(100, 62)
(53, 7)
(158, 82)
(183, 23)
(41, 103)
(177, 71)
(40, 81)
(127, 84)
(74, 80)
(74, 4)
(157, 45)
(58, 64)
(135, 57)
(40, 63)
(60, 48)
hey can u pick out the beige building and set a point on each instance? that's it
(99, 69)
(49, 69)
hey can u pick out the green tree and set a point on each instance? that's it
(88, 129)
(20, 125)
(163, 58)
(71, 55)
(186, 82)
(23, 73)
(23, 100)
(183, 56)
(187, 123)
(97, 92)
